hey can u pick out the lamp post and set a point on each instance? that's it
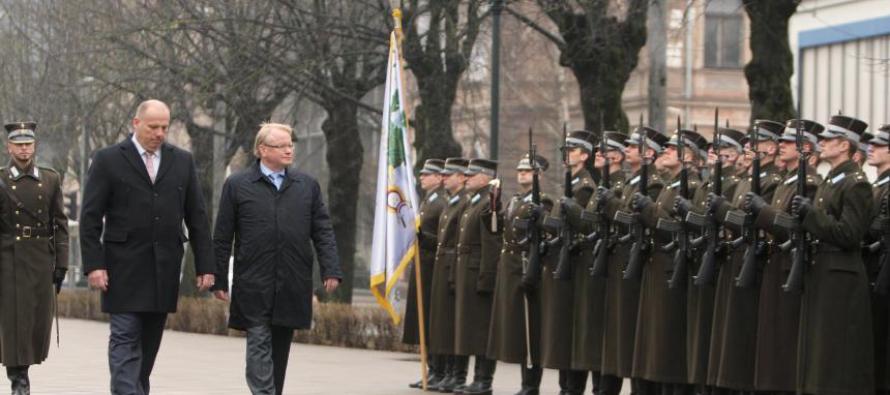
(497, 6)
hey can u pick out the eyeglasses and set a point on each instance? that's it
(280, 146)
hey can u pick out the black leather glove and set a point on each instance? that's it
(800, 206)
(603, 195)
(753, 203)
(58, 277)
(640, 201)
(570, 204)
(681, 206)
(714, 201)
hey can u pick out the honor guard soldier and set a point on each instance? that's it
(515, 327)
(442, 306)
(434, 202)
(33, 255)
(587, 353)
(561, 262)
(478, 249)
(836, 345)
(661, 329)
(876, 255)
(778, 312)
(622, 297)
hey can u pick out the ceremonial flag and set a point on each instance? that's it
(395, 219)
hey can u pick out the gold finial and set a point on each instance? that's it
(397, 16)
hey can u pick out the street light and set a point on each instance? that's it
(496, 7)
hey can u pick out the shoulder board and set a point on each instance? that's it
(49, 169)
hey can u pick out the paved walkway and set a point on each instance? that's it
(208, 365)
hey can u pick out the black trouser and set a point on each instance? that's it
(268, 349)
(132, 349)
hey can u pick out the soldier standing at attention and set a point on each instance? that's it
(516, 310)
(442, 289)
(836, 344)
(33, 255)
(879, 157)
(430, 209)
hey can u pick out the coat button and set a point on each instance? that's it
(17, 238)
(16, 212)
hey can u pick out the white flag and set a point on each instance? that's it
(395, 223)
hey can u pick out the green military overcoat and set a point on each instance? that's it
(430, 209)
(442, 293)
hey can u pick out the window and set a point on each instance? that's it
(723, 34)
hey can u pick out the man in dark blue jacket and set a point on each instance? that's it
(138, 194)
(275, 216)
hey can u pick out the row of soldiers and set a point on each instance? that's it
(682, 264)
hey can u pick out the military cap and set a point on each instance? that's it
(615, 141)
(691, 140)
(433, 166)
(21, 132)
(653, 138)
(809, 128)
(581, 139)
(540, 161)
(455, 165)
(864, 141)
(882, 137)
(731, 138)
(768, 130)
(842, 126)
(484, 166)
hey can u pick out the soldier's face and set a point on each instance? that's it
(729, 156)
(632, 154)
(150, 127)
(878, 155)
(430, 181)
(833, 148)
(454, 181)
(788, 151)
(477, 181)
(670, 159)
(21, 152)
(577, 156)
(524, 177)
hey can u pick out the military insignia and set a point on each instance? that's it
(634, 181)
(527, 198)
(433, 197)
(763, 174)
(882, 181)
(838, 178)
(454, 200)
(575, 181)
(791, 180)
(675, 184)
(475, 198)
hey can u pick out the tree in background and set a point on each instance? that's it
(772, 63)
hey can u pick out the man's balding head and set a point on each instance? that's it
(150, 124)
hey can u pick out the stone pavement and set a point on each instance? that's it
(206, 364)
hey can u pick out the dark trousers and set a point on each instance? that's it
(268, 349)
(132, 349)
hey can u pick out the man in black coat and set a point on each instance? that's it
(143, 189)
(276, 218)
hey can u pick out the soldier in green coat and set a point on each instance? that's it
(515, 317)
(478, 249)
(557, 295)
(879, 157)
(434, 202)
(33, 255)
(442, 292)
(622, 297)
(778, 312)
(836, 352)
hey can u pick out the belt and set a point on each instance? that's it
(28, 232)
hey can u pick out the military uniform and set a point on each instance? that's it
(478, 248)
(836, 353)
(778, 312)
(442, 304)
(517, 305)
(879, 302)
(33, 256)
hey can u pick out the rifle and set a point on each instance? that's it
(681, 237)
(563, 269)
(747, 277)
(601, 250)
(708, 269)
(800, 252)
(531, 274)
(640, 244)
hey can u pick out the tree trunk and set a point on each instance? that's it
(202, 150)
(772, 64)
(432, 120)
(657, 45)
(344, 156)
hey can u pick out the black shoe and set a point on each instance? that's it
(431, 380)
(529, 391)
(446, 385)
(456, 384)
(459, 389)
(478, 388)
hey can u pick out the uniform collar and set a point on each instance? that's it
(17, 173)
(847, 167)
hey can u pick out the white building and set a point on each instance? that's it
(842, 59)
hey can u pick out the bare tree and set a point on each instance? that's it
(772, 64)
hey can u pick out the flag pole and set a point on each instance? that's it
(397, 18)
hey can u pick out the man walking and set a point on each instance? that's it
(274, 215)
(138, 193)
(33, 255)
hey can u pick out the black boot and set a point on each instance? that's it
(18, 378)
(482, 378)
(434, 374)
(447, 367)
(609, 385)
(531, 380)
(576, 380)
(458, 374)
